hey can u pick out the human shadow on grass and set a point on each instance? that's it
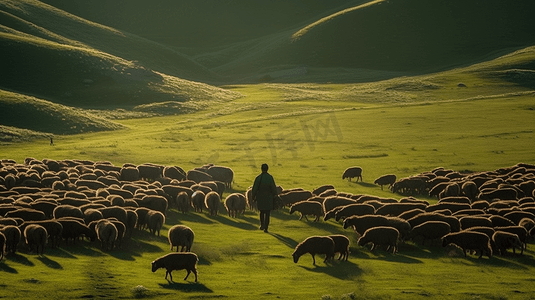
(187, 287)
(50, 263)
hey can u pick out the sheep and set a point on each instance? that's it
(430, 230)
(520, 231)
(455, 199)
(469, 240)
(131, 222)
(27, 214)
(91, 215)
(106, 233)
(411, 213)
(53, 228)
(353, 172)
(197, 199)
(177, 261)
(307, 208)
(221, 173)
(315, 245)
(502, 194)
(357, 209)
(181, 235)
(396, 209)
(322, 189)
(154, 202)
(73, 229)
(183, 202)
(129, 174)
(13, 236)
(421, 218)
(388, 179)
(36, 236)
(198, 176)
(115, 212)
(174, 172)
(294, 196)
(453, 207)
(334, 201)
(234, 204)
(527, 223)
(500, 221)
(155, 221)
(67, 211)
(381, 235)
(473, 221)
(211, 201)
(150, 171)
(141, 217)
(470, 190)
(517, 216)
(504, 240)
(341, 245)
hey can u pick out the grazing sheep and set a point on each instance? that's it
(520, 231)
(363, 223)
(235, 204)
(411, 213)
(183, 202)
(388, 179)
(177, 261)
(315, 245)
(396, 209)
(2, 245)
(91, 215)
(357, 209)
(221, 173)
(181, 235)
(430, 230)
(381, 235)
(198, 176)
(469, 240)
(334, 201)
(307, 208)
(527, 223)
(211, 201)
(470, 190)
(455, 199)
(174, 172)
(73, 229)
(62, 211)
(474, 221)
(341, 245)
(129, 174)
(13, 236)
(154, 202)
(500, 221)
(53, 228)
(517, 216)
(453, 207)
(141, 217)
(353, 172)
(294, 196)
(505, 240)
(197, 199)
(26, 214)
(421, 218)
(150, 171)
(155, 221)
(322, 189)
(106, 233)
(36, 237)
(116, 212)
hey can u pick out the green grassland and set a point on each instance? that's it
(308, 134)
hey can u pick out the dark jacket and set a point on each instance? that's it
(264, 189)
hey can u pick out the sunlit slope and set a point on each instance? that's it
(44, 116)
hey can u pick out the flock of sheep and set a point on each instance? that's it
(48, 202)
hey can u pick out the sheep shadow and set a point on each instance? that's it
(235, 223)
(21, 259)
(50, 263)
(187, 287)
(7, 269)
(174, 217)
(343, 270)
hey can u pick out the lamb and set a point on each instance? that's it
(357, 209)
(211, 201)
(307, 208)
(341, 245)
(235, 204)
(36, 236)
(177, 261)
(197, 199)
(353, 172)
(183, 202)
(181, 235)
(388, 179)
(13, 236)
(469, 240)
(381, 235)
(430, 230)
(155, 221)
(106, 233)
(504, 240)
(315, 245)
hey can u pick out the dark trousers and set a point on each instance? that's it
(264, 219)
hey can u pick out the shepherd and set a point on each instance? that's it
(264, 189)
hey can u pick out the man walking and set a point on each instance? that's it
(264, 189)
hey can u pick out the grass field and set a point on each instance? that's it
(307, 143)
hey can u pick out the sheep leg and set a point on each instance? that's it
(189, 271)
(301, 217)
(306, 217)
(170, 275)
(313, 259)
